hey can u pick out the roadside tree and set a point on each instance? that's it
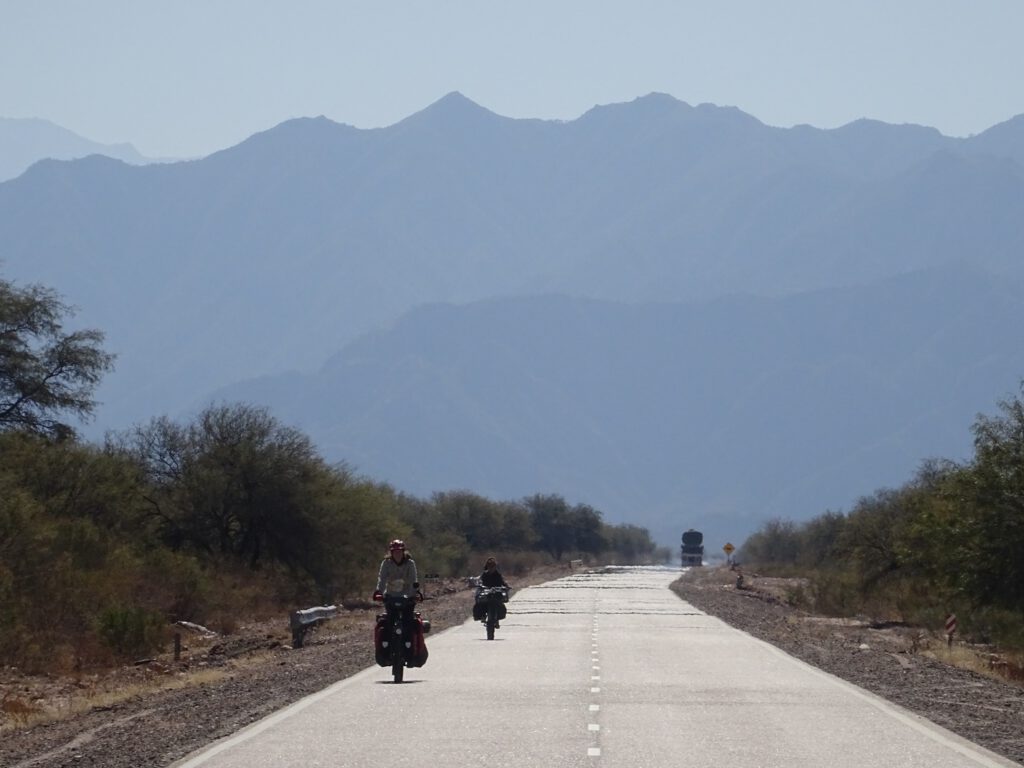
(46, 373)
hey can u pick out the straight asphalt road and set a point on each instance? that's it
(605, 670)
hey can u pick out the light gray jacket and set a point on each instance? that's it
(397, 578)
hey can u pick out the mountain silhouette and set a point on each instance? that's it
(313, 236)
(24, 141)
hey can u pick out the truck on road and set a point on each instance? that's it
(693, 548)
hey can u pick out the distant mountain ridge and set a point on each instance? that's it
(25, 141)
(723, 413)
(271, 255)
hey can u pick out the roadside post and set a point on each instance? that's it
(950, 629)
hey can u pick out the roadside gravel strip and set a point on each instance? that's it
(888, 661)
(157, 729)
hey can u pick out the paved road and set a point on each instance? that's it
(607, 670)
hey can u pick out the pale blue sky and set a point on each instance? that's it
(187, 77)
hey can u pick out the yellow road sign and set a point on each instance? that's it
(728, 549)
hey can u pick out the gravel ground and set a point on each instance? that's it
(234, 681)
(890, 661)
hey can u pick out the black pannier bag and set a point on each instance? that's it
(383, 658)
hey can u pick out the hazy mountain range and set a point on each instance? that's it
(713, 414)
(675, 313)
(24, 141)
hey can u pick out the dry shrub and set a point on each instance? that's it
(223, 623)
(175, 584)
(980, 660)
(236, 594)
(44, 653)
(830, 594)
(1014, 669)
(131, 631)
(18, 710)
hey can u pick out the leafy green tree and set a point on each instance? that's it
(234, 482)
(553, 523)
(819, 539)
(871, 536)
(588, 529)
(350, 522)
(24, 552)
(928, 509)
(237, 484)
(630, 544)
(45, 372)
(991, 524)
(70, 547)
(517, 534)
(76, 480)
(477, 518)
(777, 542)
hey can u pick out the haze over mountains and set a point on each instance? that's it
(674, 313)
(24, 141)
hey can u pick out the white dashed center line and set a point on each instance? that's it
(595, 667)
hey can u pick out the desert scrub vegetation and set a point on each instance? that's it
(101, 547)
(949, 541)
(226, 517)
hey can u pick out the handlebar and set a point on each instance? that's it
(416, 597)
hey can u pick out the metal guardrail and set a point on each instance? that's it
(304, 620)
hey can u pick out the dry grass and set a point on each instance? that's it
(19, 713)
(1002, 667)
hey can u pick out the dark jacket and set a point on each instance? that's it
(492, 578)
